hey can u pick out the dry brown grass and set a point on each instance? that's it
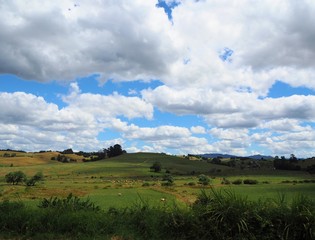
(26, 159)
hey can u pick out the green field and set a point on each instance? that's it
(126, 179)
(122, 198)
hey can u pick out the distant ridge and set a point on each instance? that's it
(258, 157)
(214, 155)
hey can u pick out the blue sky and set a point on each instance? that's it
(159, 76)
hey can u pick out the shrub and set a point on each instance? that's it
(70, 203)
(146, 184)
(216, 214)
(286, 181)
(250, 181)
(167, 184)
(156, 167)
(203, 179)
(36, 178)
(168, 180)
(237, 181)
(225, 181)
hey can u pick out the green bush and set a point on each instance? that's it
(70, 203)
(146, 184)
(225, 181)
(156, 167)
(237, 181)
(36, 178)
(250, 181)
(216, 214)
(203, 179)
(191, 184)
(167, 180)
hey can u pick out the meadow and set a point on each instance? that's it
(126, 182)
(119, 181)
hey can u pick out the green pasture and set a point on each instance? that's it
(118, 182)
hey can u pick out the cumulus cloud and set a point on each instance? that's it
(31, 123)
(231, 109)
(130, 40)
(122, 40)
(198, 130)
(105, 106)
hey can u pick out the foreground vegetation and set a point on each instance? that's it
(217, 214)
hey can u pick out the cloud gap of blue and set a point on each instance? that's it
(167, 7)
(281, 89)
(226, 54)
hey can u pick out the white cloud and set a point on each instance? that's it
(131, 40)
(198, 130)
(285, 125)
(230, 109)
(104, 106)
(55, 40)
(30, 123)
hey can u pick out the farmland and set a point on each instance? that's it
(136, 203)
(130, 175)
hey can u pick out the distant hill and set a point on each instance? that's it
(258, 157)
(215, 155)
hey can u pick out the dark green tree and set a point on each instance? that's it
(68, 151)
(15, 177)
(114, 151)
(36, 178)
(156, 167)
(293, 158)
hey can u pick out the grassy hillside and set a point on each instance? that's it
(122, 180)
(12, 158)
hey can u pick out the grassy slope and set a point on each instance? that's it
(30, 159)
(103, 180)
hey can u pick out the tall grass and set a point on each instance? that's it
(217, 214)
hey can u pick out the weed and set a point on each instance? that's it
(70, 203)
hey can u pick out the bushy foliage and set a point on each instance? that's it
(68, 151)
(250, 181)
(203, 179)
(70, 203)
(226, 181)
(237, 181)
(114, 151)
(311, 169)
(285, 164)
(156, 167)
(167, 180)
(216, 214)
(36, 178)
(63, 158)
(15, 177)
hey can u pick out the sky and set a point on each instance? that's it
(173, 76)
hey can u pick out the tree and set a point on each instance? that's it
(36, 178)
(203, 179)
(293, 158)
(156, 167)
(216, 160)
(114, 151)
(68, 151)
(15, 177)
